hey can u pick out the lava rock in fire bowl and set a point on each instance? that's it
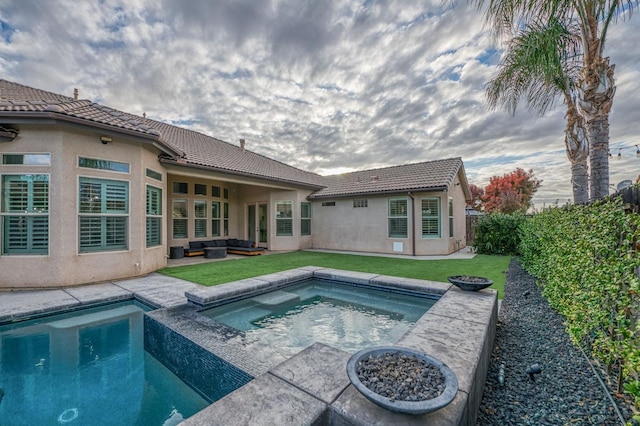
(470, 283)
(402, 380)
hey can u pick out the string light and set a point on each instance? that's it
(620, 149)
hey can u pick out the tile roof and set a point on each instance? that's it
(16, 98)
(195, 148)
(430, 175)
(198, 150)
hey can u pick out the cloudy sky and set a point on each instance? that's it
(327, 86)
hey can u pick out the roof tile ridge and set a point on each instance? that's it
(396, 166)
(37, 90)
(454, 170)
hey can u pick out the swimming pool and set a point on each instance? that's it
(344, 316)
(88, 367)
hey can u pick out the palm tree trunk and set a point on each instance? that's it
(596, 87)
(580, 180)
(598, 131)
(577, 146)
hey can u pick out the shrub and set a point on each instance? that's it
(586, 259)
(498, 233)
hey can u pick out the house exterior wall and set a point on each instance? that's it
(365, 229)
(64, 265)
(295, 241)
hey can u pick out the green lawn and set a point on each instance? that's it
(213, 273)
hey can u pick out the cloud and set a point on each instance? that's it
(324, 86)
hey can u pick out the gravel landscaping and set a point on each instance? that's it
(562, 389)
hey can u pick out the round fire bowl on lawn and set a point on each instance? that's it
(469, 283)
(413, 358)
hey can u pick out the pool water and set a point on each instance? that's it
(344, 316)
(89, 367)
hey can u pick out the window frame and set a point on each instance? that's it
(305, 218)
(202, 187)
(153, 217)
(450, 217)
(173, 188)
(215, 218)
(225, 207)
(112, 216)
(6, 155)
(284, 218)
(108, 165)
(36, 222)
(200, 221)
(430, 217)
(393, 217)
(153, 174)
(182, 220)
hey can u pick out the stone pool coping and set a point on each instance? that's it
(313, 388)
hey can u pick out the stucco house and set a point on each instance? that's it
(90, 193)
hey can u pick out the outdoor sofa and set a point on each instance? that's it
(233, 246)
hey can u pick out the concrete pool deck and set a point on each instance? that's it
(312, 387)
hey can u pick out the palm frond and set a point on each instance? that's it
(540, 63)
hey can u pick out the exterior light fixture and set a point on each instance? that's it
(637, 151)
(620, 154)
(105, 139)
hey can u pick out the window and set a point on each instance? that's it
(27, 159)
(180, 188)
(360, 203)
(200, 223)
(154, 175)
(226, 219)
(93, 163)
(431, 217)
(180, 218)
(226, 193)
(450, 217)
(104, 210)
(215, 221)
(398, 218)
(154, 216)
(25, 214)
(200, 189)
(215, 191)
(328, 203)
(305, 218)
(284, 218)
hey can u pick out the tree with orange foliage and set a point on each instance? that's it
(511, 192)
(476, 197)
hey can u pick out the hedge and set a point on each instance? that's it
(587, 261)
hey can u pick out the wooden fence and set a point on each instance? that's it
(630, 198)
(471, 221)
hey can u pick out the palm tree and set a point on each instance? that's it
(537, 66)
(595, 85)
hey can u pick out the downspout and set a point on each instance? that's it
(413, 224)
